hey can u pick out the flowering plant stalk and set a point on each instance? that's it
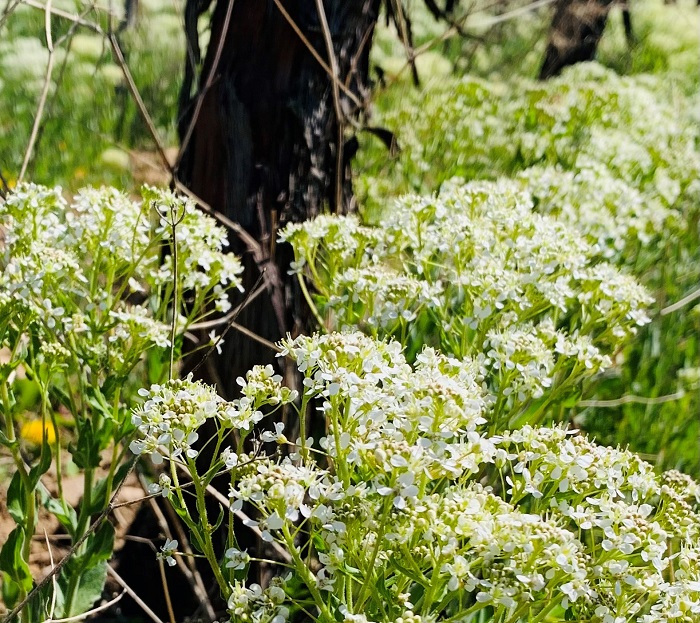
(410, 509)
(86, 295)
(476, 272)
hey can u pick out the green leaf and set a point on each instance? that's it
(11, 561)
(4, 441)
(99, 499)
(10, 591)
(27, 394)
(220, 518)
(100, 545)
(86, 453)
(573, 398)
(88, 589)
(44, 463)
(16, 499)
(66, 516)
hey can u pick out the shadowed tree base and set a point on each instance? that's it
(576, 30)
(263, 145)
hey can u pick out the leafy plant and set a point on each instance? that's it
(409, 509)
(86, 295)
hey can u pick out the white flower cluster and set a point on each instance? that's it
(477, 272)
(410, 491)
(609, 211)
(626, 157)
(253, 604)
(65, 270)
(169, 418)
(203, 266)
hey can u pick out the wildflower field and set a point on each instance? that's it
(497, 416)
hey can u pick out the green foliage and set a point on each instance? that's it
(617, 160)
(86, 292)
(90, 121)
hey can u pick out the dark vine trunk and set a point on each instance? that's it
(576, 30)
(262, 142)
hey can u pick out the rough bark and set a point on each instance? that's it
(574, 35)
(266, 146)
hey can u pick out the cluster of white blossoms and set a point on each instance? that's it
(65, 269)
(471, 128)
(609, 211)
(171, 414)
(204, 268)
(478, 273)
(410, 491)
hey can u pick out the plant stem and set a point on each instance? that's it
(306, 575)
(24, 477)
(205, 531)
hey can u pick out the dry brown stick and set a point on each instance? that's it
(403, 34)
(65, 15)
(114, 44)
(629, 398)
(8, 10)
(142, 604)
(166, 591)
(52, 608)
(682, 303)
(211, 324)
(44, 93)
(339, 116)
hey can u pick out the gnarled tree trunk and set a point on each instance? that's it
(576, 30)
(263, 138)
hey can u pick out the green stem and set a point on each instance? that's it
(24, 477)
(375, 552)
(205, 530)
(309, 301)
(173, 328)
(83, 521)
(114, 463)
(341, 465)
(306, 575)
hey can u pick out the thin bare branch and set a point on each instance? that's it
(217, 322)
(75, 18)
(54, 595)
(142, 604)
(629, 398)
(166, 591)
(339, 116)
(8, 10)
(686, 300)
(44, 93)
(119, 57)
(89, 613)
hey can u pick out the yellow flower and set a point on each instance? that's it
(32, 432)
